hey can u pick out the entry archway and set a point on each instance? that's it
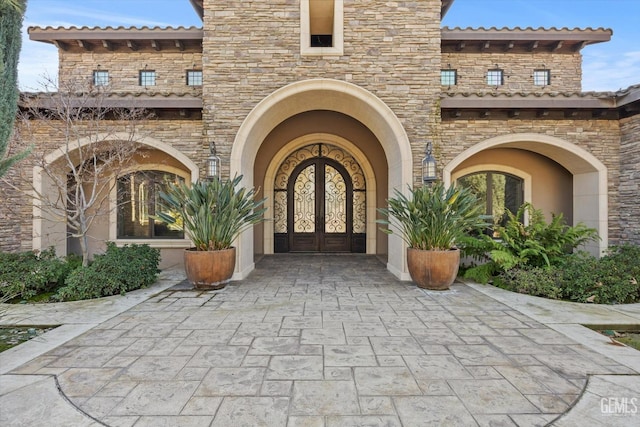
(590, 202)
(331, 95)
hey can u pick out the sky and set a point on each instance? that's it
(607, 66)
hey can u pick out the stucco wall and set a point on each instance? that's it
(550, 183)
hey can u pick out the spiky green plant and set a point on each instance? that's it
(434, 217)
(214, 212)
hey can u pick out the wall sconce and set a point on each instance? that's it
(429, 173)
(213, 162)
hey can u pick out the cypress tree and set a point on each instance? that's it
(11, 15)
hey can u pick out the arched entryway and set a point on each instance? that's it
(557, 176)
(335, 96)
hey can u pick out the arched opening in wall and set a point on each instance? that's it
(269, 127)
(556, 177)
(124, 198)
(295, 140)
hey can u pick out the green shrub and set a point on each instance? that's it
(26, 274)
(537, 244)
(537, 281)
(612, 279)
(117, 271)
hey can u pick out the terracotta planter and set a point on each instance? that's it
(434, 270)
(209, 269)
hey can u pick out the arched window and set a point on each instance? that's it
(497, 191)
(139, 199)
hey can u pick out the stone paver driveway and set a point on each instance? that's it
(317, 340)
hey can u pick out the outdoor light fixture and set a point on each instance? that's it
(429, 166)
(213, 162)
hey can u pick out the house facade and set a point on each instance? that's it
(329, 106)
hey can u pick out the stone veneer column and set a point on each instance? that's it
(630, 180)
(391, 49)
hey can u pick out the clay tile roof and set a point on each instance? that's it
(104, 39)
(551, 100)
(503, 39)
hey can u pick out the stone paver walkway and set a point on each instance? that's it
(314, 340)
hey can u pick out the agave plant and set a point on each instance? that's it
(434, 217)
(214, 213)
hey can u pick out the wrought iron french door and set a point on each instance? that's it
(318, 210)
(315, 201)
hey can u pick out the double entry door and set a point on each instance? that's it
(319, 214)
(319, 202)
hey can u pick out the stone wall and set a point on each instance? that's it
(124, 68)
(599, 137)
(391, 49)
(630, 179)
(566, 71)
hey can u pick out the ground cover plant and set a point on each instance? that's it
(43, 277)
(536, 244)
(538, 259)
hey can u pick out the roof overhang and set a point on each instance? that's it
(563, 40)
(121, 38)
(120, 100)
(198, 5)
(605, 105)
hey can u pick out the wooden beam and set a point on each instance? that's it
(155, 45)
(107, 44)
(84, 45)
(460, 46)
(60, 45)
(514, 113)
(485, 113)
(132, 45)
(179, 44)
(533, 46)
(557, 45)
(570, 114)
(578, 47)
(510, 45)
(486, 45)
(542, 113)
(456, 113)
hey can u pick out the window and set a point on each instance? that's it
(194, 77)
(147, 78)
(497, 192)
(100, 78)
(321, 27)
(495, 77)
(448, 77)
(139, 199)
(542, 77)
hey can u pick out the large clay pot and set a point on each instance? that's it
(434, 270)
(209, 269)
